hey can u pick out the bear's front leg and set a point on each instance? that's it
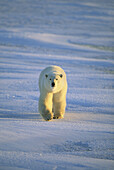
(59, 104)
(45, 106)
(59, 109)
(46, 113)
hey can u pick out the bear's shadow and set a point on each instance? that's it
(24, 116)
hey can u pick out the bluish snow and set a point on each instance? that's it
(77, 36)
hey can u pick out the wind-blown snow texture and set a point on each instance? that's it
(77, 36)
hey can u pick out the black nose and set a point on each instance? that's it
(53, 84)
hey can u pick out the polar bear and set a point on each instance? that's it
(53, 89)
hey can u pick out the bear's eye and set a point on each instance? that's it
(56, 79)
(61, 75)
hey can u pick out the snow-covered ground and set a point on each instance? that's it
(79, 37)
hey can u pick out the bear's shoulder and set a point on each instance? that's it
(52, 69)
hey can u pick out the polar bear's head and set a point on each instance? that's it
(54, 82)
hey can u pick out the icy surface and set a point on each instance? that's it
(77, 36)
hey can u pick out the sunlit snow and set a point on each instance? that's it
(77, 36)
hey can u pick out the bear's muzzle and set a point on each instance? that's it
(53, 84)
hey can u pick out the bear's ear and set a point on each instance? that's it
(61, 75)
(46, 75)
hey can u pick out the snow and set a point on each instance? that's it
(79, 141)
(77, 36)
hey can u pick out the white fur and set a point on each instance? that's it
(52, 101)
